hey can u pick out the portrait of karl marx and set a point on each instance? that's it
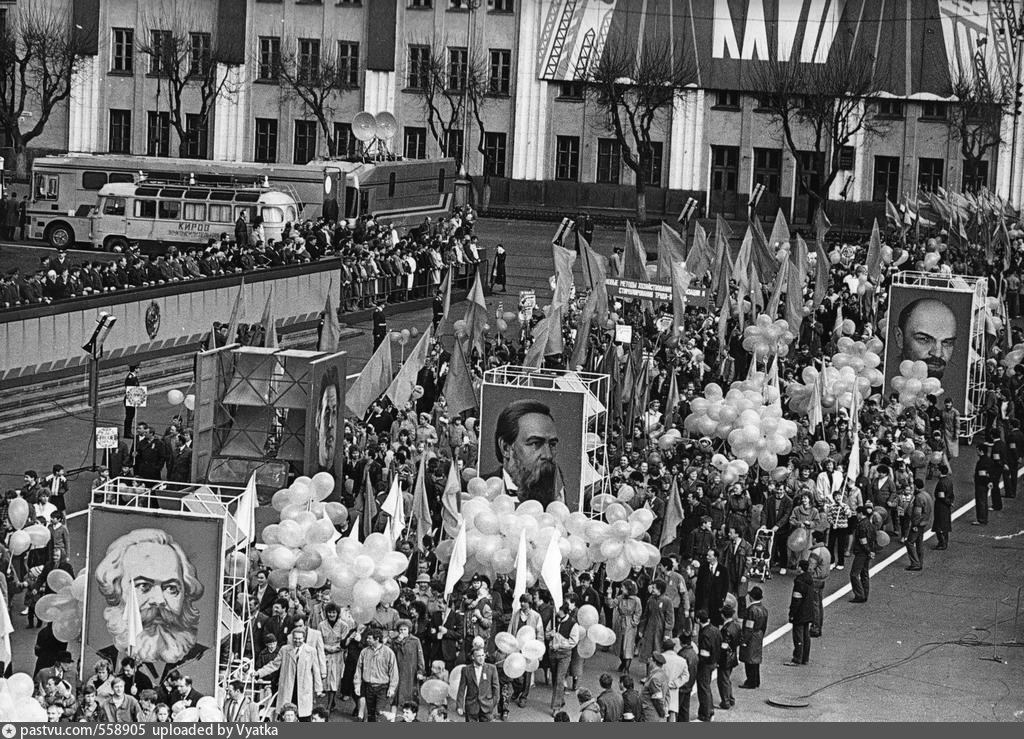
(166, 590)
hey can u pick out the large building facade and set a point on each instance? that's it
(547, 142)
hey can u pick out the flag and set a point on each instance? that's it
(476, 314)
(680, 283)
(698, 261)
(451, 501)
(822, 225)
(795, 285)
(635, 257)
(822, 274)
(756, 292)
(6, 629)
(445, 326)
(579, 349)
(421, 505)
(815, 414)
(893, 215)
(723, 271)
(245, 515)
(236, 313)
(595, 276)
(780, 233)
(132, 618)
(763, 255)
(400, 389)
(874, 258)
(772, 309)
(366, 503)
(551, 571)
(673, 513)
(541, 336)
(741, 267)
(372, 381)
(269, 324)
(330, 335)
(459, 393)
(671, 247)
(564, 259)
(521, 569)
(457, 564)
(853, 469)
(394, 506)
(672, 400)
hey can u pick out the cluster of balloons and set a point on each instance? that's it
(596, 635)
(505, 319)
(732, 470)
(63, 607)
(363, 574)
(24, 537)
(494, 523)
(297, 546)
(523, 651)
(838, 386)
(206, 710)
(404, 336)
(1013, 358)
(763, 337)
(913, 383)
(863, 356)
(16, 701)
(177, 397)
(669, 439)
(756, 432)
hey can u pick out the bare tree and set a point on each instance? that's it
(825, 104)
(185, 60)
(40, 52)
(633, 90)
(975, 117)
(317, 78)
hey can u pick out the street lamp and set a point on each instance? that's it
(94, 348)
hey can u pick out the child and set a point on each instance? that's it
(409, 712)
(319, 715)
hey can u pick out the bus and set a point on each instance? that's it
(64, 188)
(157, 215)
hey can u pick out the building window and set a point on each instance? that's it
(199, 50)
(929, 173)
(419, 67)
(567, 158)
(975, 176)
(197, 131)
(348, 63)
(887, 179)
(421, 3)
(609, 161)
(270, 58)
(933, 110)
(571, 90)
(123, 52)
(266, 140)
(305, 142)
(158, 134)
(499, 6)
(725, 168)
(501, 72)
(727, 99)
(345, 144)
(458, 67)
(495, 143)
(453, 144)
(847, 158)
(120, 141)
(890, 108)
(652, 176)
(415, 140)
(309, 60)
(768, 169)
(161, 51)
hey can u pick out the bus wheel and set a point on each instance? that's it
(116, 244)
(60, 236)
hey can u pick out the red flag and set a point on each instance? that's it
(673, 514)
(635, 258)
(458, 388)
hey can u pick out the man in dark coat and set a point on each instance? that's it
(709, 648)
(945, 496)
(754, 627)
(380, 325)
(728, 658)
(241, 230)
(776, 517)
(736, 560)
(921, 513)
(801, 615)
(689, 653)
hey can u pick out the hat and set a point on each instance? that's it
(423, 578)
(658, 658)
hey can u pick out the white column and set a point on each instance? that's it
(529, 145)
(677, 136)
(379, 92)
(83, 106)
(230, 119)
(863, 170)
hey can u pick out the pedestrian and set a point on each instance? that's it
(657, 621)
(632, 704)
(801, 615)
(864, 545)
(677, 673)
(945, 497)
(23, 217)
(590, 711)
(709, 649)
(728, 658)
(654, 690)
(752, 642)
(498, 273)
(820, 561)
(626, 612)
(130, 380)
(566, 634)
(609, 700)
(380, 325)
(986, 472)
(921, 513)
(299, 674)
(479, 688)
(689, 654)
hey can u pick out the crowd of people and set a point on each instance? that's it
(680, 627)
(377, 264)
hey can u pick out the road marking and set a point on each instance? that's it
(19, 432)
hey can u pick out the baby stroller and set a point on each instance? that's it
(761, 559)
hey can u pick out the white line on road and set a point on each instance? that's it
(19, 432)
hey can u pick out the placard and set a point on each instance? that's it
(664, 323)
(623, 333)
(106, 437)
(527, 300)
(135, 396)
